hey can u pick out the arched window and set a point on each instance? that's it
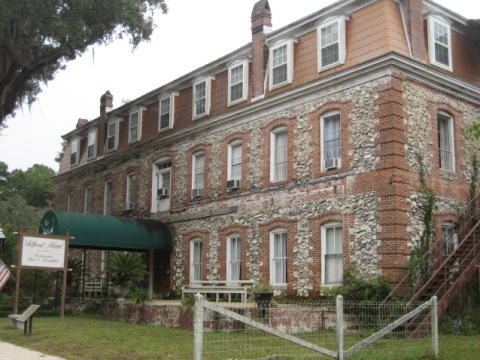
(332, 253)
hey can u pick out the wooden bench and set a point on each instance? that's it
(19, 321)
(217, 287)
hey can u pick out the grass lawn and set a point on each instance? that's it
(95, 338)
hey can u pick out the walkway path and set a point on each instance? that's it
(13, 352)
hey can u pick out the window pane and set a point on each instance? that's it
(331, 137)
(280, 156)
(197, 261)
(200, 98)
(441, 43)
(235, 258)
(236, 83)
(165, 113)
(236, 162)
(280, 258)
(333, 254)
(445, 143)
(199, 171)
(280, 68)
(330, 44)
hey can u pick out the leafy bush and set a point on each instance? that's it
(138, 296)
(358, 289)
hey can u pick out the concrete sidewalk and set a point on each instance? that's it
(13, 352)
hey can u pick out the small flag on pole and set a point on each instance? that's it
(4, 274)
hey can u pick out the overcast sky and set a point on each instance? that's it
(193, 33)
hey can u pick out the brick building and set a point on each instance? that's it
(296, 155)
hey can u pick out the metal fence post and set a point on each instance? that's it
(339, 306)
(198, 327)
(434, 315)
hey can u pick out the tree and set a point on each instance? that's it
(35, 185)
(38, 38)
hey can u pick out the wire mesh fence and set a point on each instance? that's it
(315, 330)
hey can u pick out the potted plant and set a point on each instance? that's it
(124, 268)
(263, 295)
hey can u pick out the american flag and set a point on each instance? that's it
(4, 274)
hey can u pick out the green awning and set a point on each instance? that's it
(107, 232)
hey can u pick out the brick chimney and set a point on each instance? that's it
(106, 104)
(413, 12)
(261, 24)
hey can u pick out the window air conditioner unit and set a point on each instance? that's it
(331, 164)
(197, 193)
(233, 184)
(127, 206)
(163, 193)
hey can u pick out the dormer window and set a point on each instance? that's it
(237, 82)
(331, 42)
(135, 125)
(167, 111)
(202, 97)
(112, 134)
(74, 151)
(281, 63)
(439, 42)
(92, 143)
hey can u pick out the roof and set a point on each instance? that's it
(107, 232)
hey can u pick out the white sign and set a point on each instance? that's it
(43, 252)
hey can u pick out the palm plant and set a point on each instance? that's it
(124, 268)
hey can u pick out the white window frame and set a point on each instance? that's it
(234, 258)
(278, 262)
(446, 142)
(170, 100)
(131, 184)
(336, 150)
(161, 167)
(115, 122)
(74, 151)
(107, 197)
(275, 162)
(206, 97)
(231, 163)
(196, 265)
(138, 113)
(449, 237)
(340, 22)
(197, 171)
(242, 82)
(337, 226)
(87, 200)
(92, 138)
(288, 44)
(70, 200)
(432, 20)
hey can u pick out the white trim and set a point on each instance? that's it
(230, 147)
(273, 273)
(92, 136)
(75, 144)
(162, 204)
(208, 96)
(193, 242)
(244, 81)
(106, 210)
(340, 21)
(195, 157)
(433, 19)
(322, 137)
(229, 259)
(139, 112)
(451, 139)
(333, 224)
(288, 43)
(171, 113)
(116, 122)
(273, 146)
